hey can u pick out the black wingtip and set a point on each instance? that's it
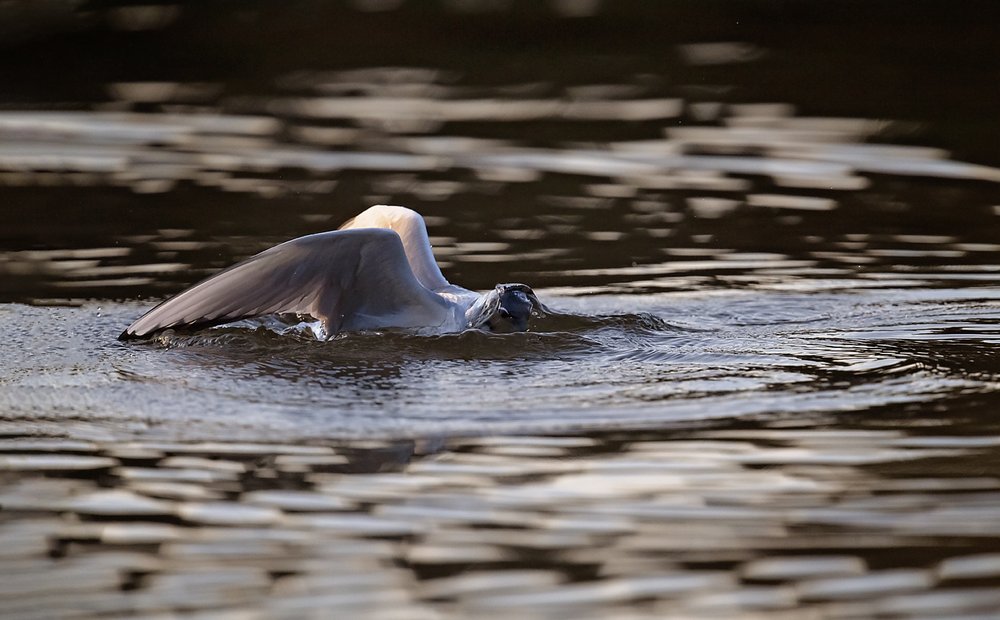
(126, 335)
(185, 328)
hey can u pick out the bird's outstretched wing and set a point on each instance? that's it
(349, 279)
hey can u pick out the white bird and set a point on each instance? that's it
(376, 272)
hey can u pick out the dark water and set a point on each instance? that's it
(771, 230)
(624, 361)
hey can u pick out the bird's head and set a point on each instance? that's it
(506, 309)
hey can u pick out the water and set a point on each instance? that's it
(770, 386)
(616, 361)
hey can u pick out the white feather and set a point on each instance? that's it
(377, 271)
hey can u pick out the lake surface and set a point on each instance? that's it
(771, 233)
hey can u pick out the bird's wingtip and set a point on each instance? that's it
(127, 335)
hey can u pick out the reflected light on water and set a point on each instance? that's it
(768, 386)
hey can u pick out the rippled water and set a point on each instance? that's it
(771, 238)
(614, 361)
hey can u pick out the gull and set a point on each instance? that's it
(377, 271)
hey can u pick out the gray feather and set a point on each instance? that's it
(349, 279)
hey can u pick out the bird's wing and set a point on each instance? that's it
(349, 279)
(410, 227)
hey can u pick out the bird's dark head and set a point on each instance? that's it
(515, 304)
